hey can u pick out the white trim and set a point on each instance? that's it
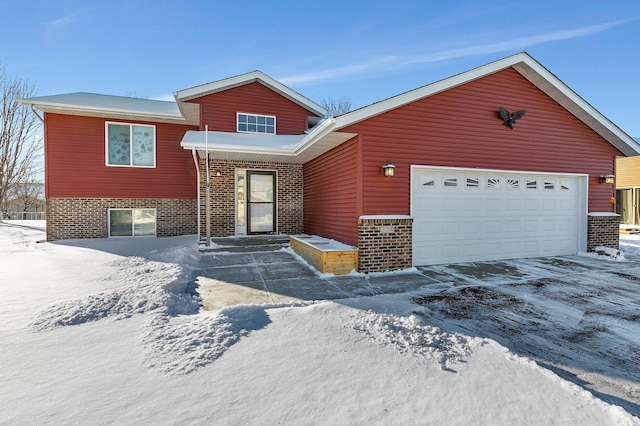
(121, 123)
(255, 115)
(131, 209)
(523, 172)
(250, 77)
(532, 71)
(386, 216)
(603, 214)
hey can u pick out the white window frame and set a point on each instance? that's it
(238, 114)
(133, 224)
(106, 145)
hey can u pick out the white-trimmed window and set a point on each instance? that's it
(132, 222)
(252, 123)
(132, 145)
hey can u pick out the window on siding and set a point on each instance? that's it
(132, 222)
(252, 123)
(131, 145)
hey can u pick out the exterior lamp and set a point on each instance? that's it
(388, 170)
(608, 178)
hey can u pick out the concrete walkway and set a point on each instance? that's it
(250, 275)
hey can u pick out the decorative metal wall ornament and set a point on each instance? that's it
(510, 119)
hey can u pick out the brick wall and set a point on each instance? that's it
(87, 217)
(603, 229)
(384, 244)
(223, 209)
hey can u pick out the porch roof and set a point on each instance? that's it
(262, 147)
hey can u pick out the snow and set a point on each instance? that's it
(323, 244)
(101, 332)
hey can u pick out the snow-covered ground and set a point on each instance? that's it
(104, 334)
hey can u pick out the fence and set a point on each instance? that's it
(23, 216)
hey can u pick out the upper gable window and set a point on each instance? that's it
(131, 145)
(252, 123)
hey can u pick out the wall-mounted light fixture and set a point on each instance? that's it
(608, 178)
(218, 174)
(388, 170)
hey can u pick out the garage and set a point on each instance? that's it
(466, 215)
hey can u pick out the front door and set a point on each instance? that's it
(261, 201)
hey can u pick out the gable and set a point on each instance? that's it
(219, 109)
(531, 71)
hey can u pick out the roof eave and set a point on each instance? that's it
(86, 111)
(242, 79)
(532, 71)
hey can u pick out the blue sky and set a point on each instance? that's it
(364, 51)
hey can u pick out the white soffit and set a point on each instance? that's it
(528, 68)
(297, 149)
(242, 79)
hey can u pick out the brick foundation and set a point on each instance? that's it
(69, 218)
(603, 229)
(223, 209)
(384, 243)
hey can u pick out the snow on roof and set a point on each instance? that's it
(222, 140)
(83, 100)
(262, 147)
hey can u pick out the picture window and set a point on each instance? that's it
(131, 145)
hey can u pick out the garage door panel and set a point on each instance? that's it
(475, 216)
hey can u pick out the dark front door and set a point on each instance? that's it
(261, 201)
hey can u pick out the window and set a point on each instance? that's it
(252, 123)
(131, 145)
(450, 182)
(132, 222)
(473, 183)
(549, 185)
(513, 184)
(531, 184)
(493, 183)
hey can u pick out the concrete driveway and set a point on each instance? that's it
(577, 315)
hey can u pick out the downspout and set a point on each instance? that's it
(195, 161)
(33, 110)
(208, 192)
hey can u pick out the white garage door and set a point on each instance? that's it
(465, 215)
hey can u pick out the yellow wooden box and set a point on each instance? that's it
(327, 256)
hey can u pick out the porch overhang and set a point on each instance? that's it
(297, 149)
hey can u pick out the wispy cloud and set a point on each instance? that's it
(61, 24)
(401, 61)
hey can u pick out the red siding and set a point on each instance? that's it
(75, 163)
(331, 194)
(460, 128)
(456, 128)
(218, 110)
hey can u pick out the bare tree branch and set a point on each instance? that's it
(19, 147)
(336, 107)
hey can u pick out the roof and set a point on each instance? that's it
(532, 71)
(96, 105)
(251, 77)
(260, 147)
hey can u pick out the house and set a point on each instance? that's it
(628, 193)
(472, 179)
